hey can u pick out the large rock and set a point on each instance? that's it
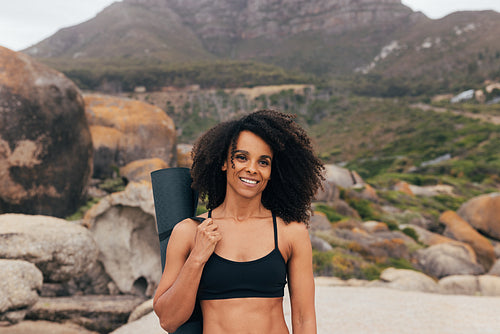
(19, 283)
(45, 143)
(140, 170)
(447, 259)
(460, 230)
(459, 285)
(147, 324)
(44, 327)
(483, 213)
(126, 130)
(335, 177)
(60, 249)
(124, 227)
(96, 313)
(379, 245)
(429, 238)
(184, 158)
(484, 285)
(95, 281)
(408, 280)
(319, 222)
(489, 285)
(495, 270)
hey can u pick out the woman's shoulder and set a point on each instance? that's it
(294, 228)
(187, 227)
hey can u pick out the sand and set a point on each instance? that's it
(374, 310)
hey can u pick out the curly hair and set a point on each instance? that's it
(296, 172)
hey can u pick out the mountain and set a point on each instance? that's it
(324, 38)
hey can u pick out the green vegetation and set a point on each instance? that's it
(330, 212)
(84, 208)
(345, 265)
(112, 185)
(96, 74)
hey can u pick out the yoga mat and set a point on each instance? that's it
(175, 201)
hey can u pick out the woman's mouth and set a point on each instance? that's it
(248, 181)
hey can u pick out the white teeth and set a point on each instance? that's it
(248, 181)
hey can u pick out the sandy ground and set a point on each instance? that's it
(361, 310)
(375, 310)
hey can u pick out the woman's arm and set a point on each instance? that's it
(189, 248)
(301, 281)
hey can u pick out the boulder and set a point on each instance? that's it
(319, 244)
(408, 280)
(489, 285)
(45, 143)
(460, 230)
(319, 222)
(374, 226)
(125, 130)
(19, 283)
(404, 187)
(44, 327)
(370, 193)
(147, 324)
(102, 314)
(429, 239)
(342, 208)
(94, 281)
(60, 249)
(496, 246)
(495, 270)
(485, 285)
(124, 228)
(335, 177)
(184, 158)
(482, 213)
(141, 310)
(380, 245)
(140, 170)
(447, 259)
(459, 285)
(408, 217)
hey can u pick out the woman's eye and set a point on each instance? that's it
(241, 157)
(264, 163)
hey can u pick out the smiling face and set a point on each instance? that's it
(250, 169)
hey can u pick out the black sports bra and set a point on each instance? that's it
(263, 278)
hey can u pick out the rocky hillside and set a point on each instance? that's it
(151, 42)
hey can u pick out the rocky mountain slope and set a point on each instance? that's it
(368, 39)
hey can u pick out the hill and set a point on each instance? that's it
(375, 47)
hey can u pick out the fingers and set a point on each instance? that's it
(209, 230)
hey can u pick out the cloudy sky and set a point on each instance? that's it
(26, 22)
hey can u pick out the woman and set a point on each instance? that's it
(259, 175)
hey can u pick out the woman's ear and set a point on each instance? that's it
(224, 166)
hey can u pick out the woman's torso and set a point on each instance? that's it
(241, 289)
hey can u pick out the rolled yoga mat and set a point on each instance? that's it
(174, 201)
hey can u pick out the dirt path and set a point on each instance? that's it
(486, 118)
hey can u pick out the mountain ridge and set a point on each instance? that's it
(381, 38)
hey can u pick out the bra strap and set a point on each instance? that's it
(210, 214)
(275, 226)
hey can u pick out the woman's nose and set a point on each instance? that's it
(252, 167)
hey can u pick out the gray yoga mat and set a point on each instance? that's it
(174, 201)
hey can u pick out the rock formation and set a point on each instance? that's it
(483, 213)
(460, 230)
(60, 249)
(127, 130)
(45, 143)
(124, 228)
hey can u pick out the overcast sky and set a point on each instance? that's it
(26, 22)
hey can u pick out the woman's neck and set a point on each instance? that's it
(240, 209)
